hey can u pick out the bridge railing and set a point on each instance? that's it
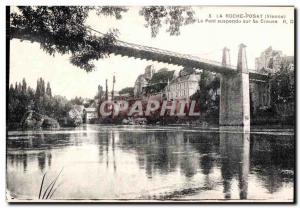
(179, 55)
(170, 53)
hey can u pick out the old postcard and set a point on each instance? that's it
(150, 104)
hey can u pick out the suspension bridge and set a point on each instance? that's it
(127, 49)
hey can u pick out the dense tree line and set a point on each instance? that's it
(128, 90)
(207, 97)
(283, 85)
(22, 98)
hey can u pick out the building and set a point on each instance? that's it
(142, 81)
(271, 60)
(91, 114)
(183, 86)
(167, 84)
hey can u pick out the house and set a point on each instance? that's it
(91, 114)
(183, 86)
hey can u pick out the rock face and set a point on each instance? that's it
(34, 120)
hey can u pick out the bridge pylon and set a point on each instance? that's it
(226, 57)
(235, 98)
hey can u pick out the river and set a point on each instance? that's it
(99, 162)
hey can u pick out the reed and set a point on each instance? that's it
(50, 189)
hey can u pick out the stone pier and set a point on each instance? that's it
(234, 99)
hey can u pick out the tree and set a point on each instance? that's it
(61, 29)
(11, 90)
(18, 101)
(208, 83)
(203, 95)
(48, 90)
(77, 101)
(283, 85)
(21, 99)
(128, 90)
(161, 77)
(19, 88)
(100, 93)
(188, 70)
(24, 86)
(40, 88)
(43, 89)
(61, 105)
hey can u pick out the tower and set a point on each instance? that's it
(235, 98)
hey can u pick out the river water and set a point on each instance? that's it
(152, 163)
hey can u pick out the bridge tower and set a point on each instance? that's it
(234, 98)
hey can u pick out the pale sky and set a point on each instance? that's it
(205, 40)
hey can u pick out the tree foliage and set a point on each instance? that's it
(162, 76)
(23, 98)
(172, 16)
(128, 90)
(111, 11)
(283, 85)
(77, 101)
(208, 86)
(63, 29)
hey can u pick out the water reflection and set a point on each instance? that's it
(272, 160)
(235, 157)
(151, 163)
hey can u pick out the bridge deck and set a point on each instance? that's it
(155, 54)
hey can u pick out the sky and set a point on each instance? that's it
(205, 40)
